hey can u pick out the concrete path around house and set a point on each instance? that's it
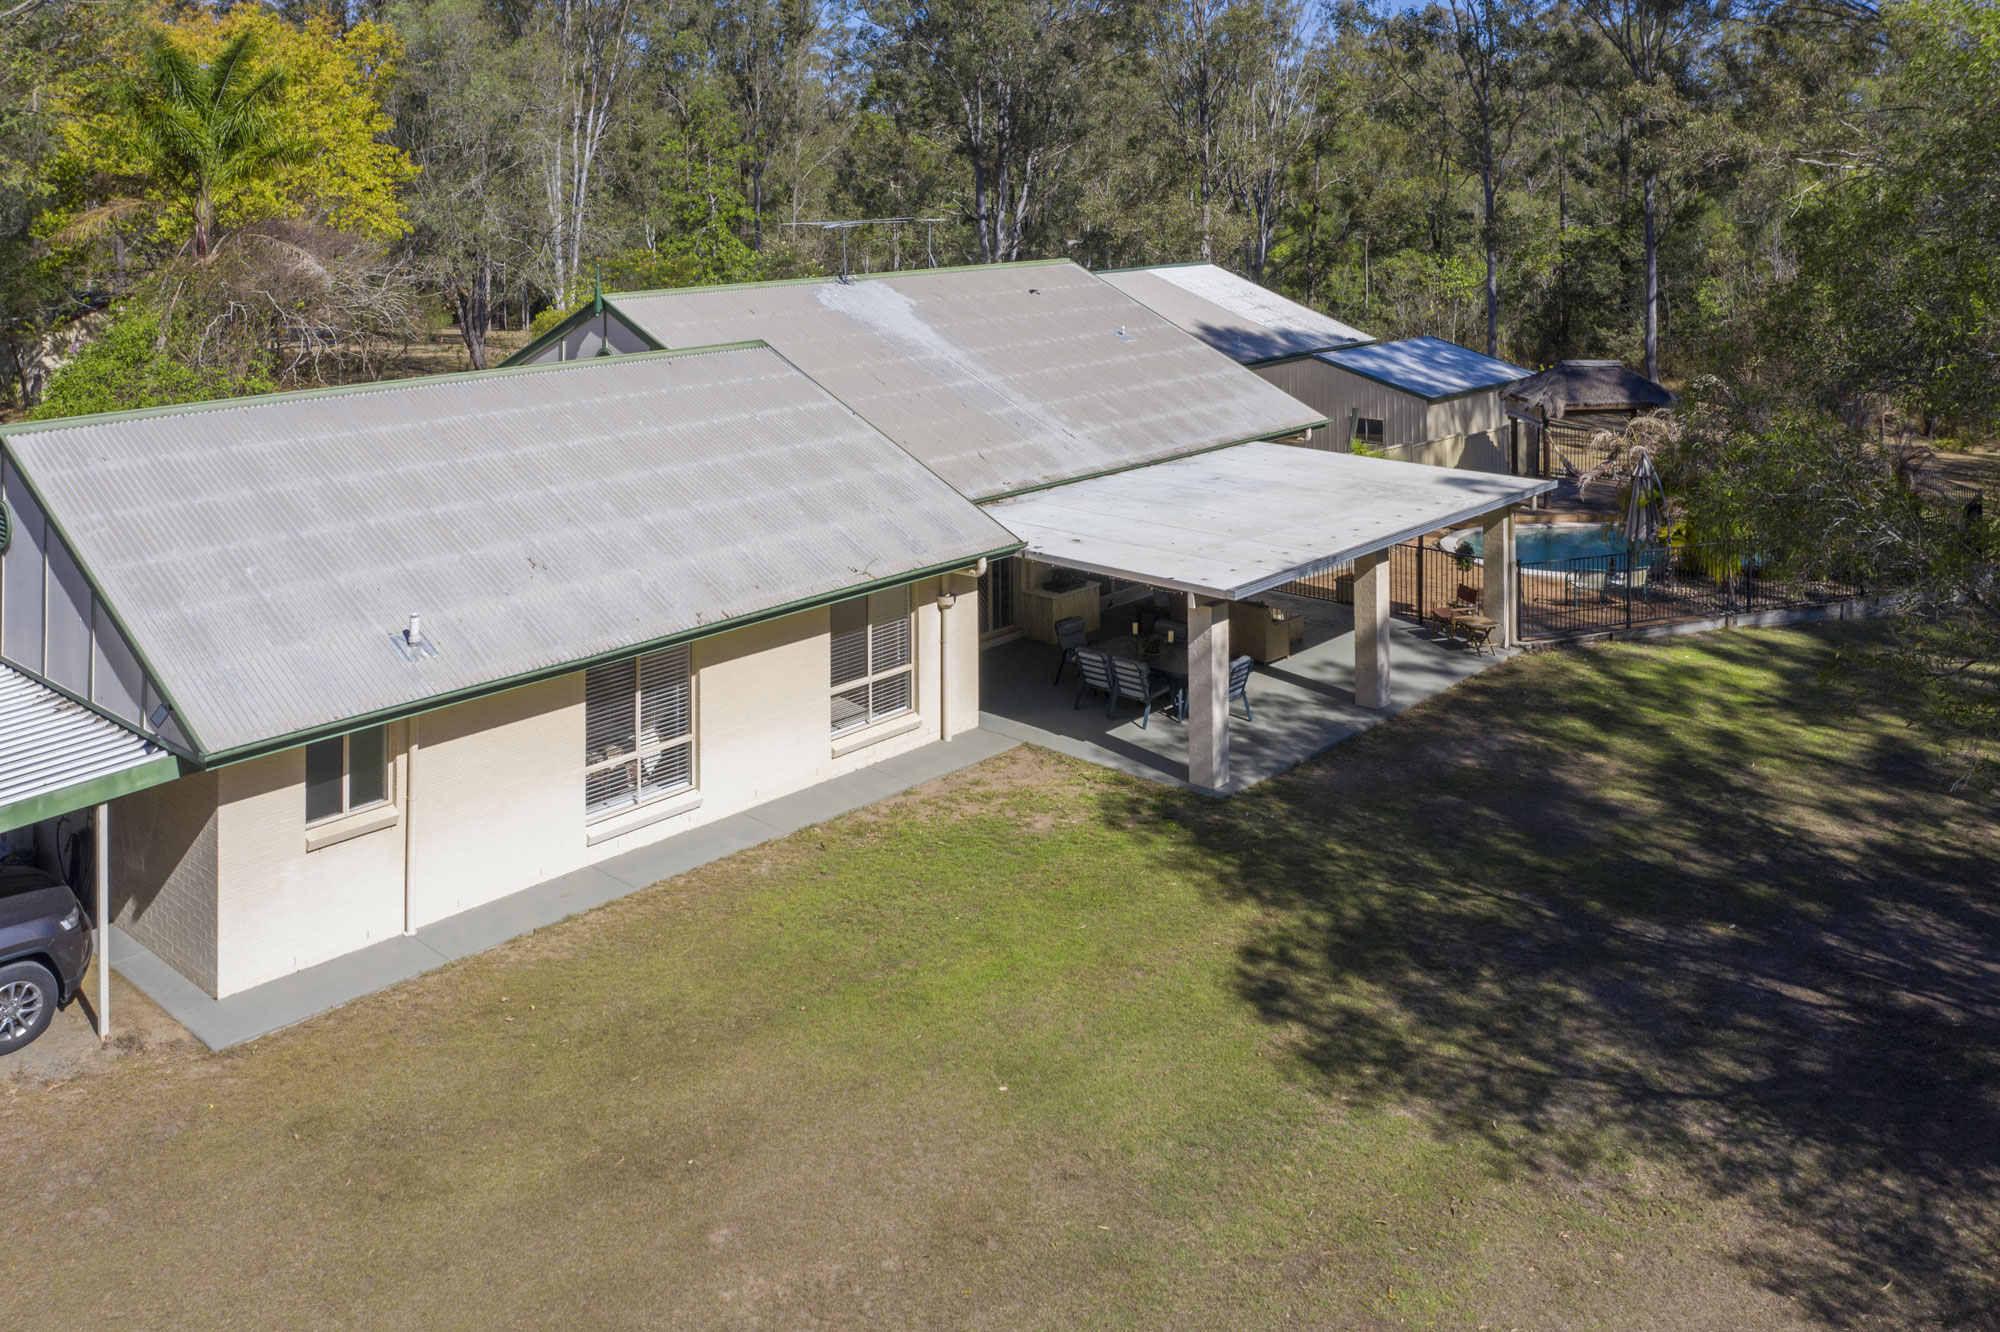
(221, 1023)
(1301, 705)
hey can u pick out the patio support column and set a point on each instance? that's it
(1497, 538)
(1371, 631)
(101, 871)
(1208, 692)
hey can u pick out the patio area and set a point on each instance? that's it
(1300, 705)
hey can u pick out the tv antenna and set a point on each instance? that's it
(849, 224)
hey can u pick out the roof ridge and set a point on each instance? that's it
(411, 383)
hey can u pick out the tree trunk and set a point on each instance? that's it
(1652, 284)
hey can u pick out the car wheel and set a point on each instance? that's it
(27, 1002)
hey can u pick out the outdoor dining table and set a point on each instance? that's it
(1172, 664)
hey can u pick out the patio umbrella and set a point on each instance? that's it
(1646, 504)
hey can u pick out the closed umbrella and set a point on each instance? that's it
(1646, 504)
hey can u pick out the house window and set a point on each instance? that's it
(638, 729)
(1368, 430)
(871, 658)
(347, 773)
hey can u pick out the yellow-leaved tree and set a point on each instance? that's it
(238, 118)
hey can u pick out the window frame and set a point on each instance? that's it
(873, 675)
(347, 805)
(1361, 432)
(644, 751)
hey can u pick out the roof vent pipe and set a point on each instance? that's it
(414, 635)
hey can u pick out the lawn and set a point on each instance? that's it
(1643, 987)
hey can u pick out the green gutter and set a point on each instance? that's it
(432, 703)
(96, 791)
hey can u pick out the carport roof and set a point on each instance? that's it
(1238, 521)
(57, 756)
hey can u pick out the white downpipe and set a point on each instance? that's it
(101, 830)
(410, 828)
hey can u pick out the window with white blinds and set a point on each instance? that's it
(638, 730)
(872, 658)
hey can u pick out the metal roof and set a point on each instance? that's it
(264, 553)
(57, 756)
(999, 378)
(1239, 521)
(1237, 317)
(1431, 368)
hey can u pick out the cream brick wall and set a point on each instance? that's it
(163, 856)
(282, 908)
(498, 797)
(214, 873)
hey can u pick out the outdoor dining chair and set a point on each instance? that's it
(1135, 680)
(1239, 683)
(1093, 674)
(1070, 636)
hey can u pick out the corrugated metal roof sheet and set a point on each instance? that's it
(1232, 314)
(1431, 368)
(49, 745)
(263, 552)
(1236, 522)
(999, 378)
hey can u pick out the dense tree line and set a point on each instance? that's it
(1799, 191)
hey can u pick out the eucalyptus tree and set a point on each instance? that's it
(1473, 66)
(1009, 81)
(1660, 45)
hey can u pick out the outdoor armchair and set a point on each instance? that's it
(1239, 683)
(1093, 674)
(1135, 680)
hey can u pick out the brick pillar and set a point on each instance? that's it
(1208, 692)
(1371, 631)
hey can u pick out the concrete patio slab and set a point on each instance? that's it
(220, 1023)
(1299, 706)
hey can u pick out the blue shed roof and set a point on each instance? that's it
(1431, 368)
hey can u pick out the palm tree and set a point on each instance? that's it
(208, 130)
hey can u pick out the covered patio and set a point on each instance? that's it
(1237, 523)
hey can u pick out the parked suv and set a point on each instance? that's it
(44, 947)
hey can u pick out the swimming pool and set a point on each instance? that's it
(1535, 543)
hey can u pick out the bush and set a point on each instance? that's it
(133, 366)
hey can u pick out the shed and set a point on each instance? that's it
(1418, 400)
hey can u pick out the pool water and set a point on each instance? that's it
(1537, 542)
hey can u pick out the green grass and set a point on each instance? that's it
(1640, 987)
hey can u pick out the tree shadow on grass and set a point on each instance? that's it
(1674, 904)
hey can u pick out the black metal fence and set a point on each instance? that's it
(1421, 574)
(1655, 585)
(1581, 447)
(1591, 594)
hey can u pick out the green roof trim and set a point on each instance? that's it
(417, 707)
(96, 791)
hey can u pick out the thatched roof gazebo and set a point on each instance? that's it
(1587, 388)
